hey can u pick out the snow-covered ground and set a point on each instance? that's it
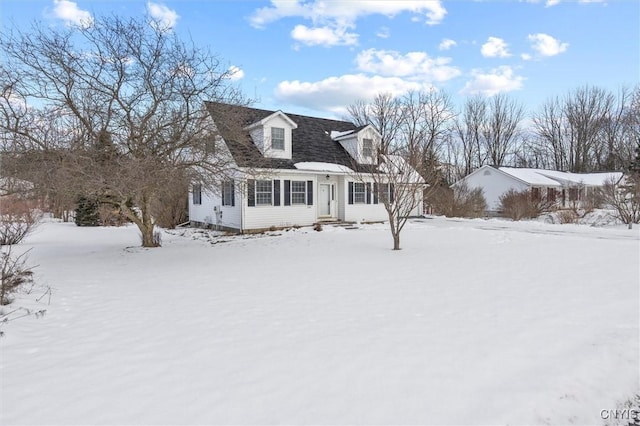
(473, 322)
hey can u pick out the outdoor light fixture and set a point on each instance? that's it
(327, 176)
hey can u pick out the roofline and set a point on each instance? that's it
(269, 117)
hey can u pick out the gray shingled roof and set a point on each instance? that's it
(311, 141)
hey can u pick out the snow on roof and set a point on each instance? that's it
(530, 176)
(322, 167)
(335, 134)
(588, 179)
(397, 164)
(555, 178)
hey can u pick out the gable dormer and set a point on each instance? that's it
(272, 135)
(362, 144)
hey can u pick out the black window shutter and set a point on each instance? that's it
(224, 185)
(309, 192)
(276, 192)
(233, 193)
(375, 193)
(391, 193)
(287, 192)
(368, 193)
(350, 192)
(251, 193)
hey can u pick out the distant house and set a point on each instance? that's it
(291, 170)
(563, 188)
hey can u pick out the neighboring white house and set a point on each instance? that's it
(563, 188)
(292, 170)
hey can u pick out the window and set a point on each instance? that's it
(367, 148)
(298, 192)
(359, 193)
(535, 194)
(551, 195)
(210, 146)
(383, 192)
(228, 193)
(277, 138)
(264, 192)
(197, 193)
(573, 194)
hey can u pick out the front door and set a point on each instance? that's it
(324, 199)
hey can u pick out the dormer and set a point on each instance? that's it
(362, 144)
(272, 135)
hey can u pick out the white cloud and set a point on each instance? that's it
(447, 44)
(235, 73)
(414, 65)
(383, 32)
(498, 80)
(550, 3)
(347, 12)
(335, 93)
(332, 20)
(495, 47)
(323, 36)
(526, 57)
(163, 17)
(68, 11)
(545, 45)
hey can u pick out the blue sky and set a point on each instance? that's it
(316, 57)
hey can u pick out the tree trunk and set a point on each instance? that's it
(144, 221)
(147, 235)
(396, 241)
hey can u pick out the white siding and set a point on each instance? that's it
(494, 183)
(361, 212)
(277, 121)
(261, 217)
(205, 213)
(368, 133)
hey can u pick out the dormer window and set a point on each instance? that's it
(367, 148)
(277, 138)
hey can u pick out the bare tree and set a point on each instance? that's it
(502, 128)
(579, 132)
(409, 155)
(126, 101)
(469, 129)
(384, 113)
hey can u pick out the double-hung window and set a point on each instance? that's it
(197, 193)
(277, 138)
(298, 192)
(264, 192)
(367, 148)
(359, 193)
(228, 193)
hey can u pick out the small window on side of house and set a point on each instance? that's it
(264, 192)
(573, 194)
(197, 193)
(367, 148)
(277, 138)
(359, 193)
(228, 193)
(298, 192)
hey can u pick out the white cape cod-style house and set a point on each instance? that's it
(291, 170)
(563, 188)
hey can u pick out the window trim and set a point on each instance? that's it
(273, 139)
(258, 202)
(228, 193)
(302, 193)
(196, 192)
(365, 142)
(356, 192)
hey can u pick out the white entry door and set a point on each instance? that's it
(324, 199)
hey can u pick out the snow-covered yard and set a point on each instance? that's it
(473, 322)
